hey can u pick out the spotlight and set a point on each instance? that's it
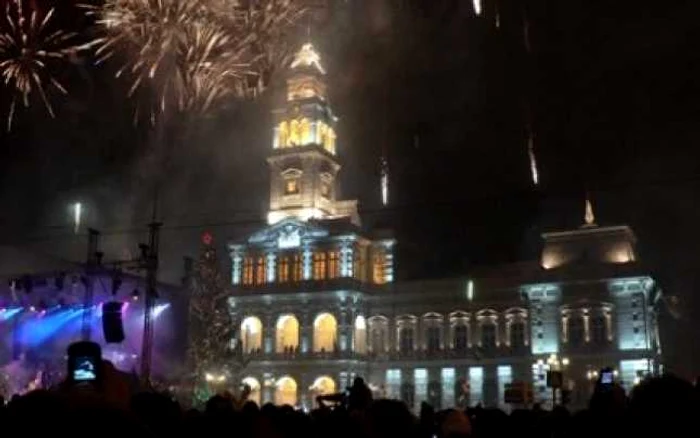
(32, 309)
(135, 295)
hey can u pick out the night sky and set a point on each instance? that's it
(611, 89)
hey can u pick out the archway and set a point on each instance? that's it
(324, 385)
(360, 338)
(287, 333)
(286, 391)
(254, 385)
(251, 334)
(325, 331)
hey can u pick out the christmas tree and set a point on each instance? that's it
(210, 327)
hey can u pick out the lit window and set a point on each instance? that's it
(260, 271)
(283, 270)
(333, 264)
(319, 265)
(248, 271)
(358, 265)
(291, 186)
(379, 268)
(297, 268)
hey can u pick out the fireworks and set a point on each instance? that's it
(29, 50)
(187, 55)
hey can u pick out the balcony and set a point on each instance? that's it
(291, 287)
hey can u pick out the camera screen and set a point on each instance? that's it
(84, 369)
(606, 378)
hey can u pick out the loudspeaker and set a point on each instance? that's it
(112, 325)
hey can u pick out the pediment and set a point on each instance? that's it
(287, 233)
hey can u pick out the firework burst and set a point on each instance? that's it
(187, 55)
(29, 49)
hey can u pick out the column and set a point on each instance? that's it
(271, 267)
(269, 333)
(236, 264)
(346, 259)
(306, 260)
(307, 331)
(389, 263)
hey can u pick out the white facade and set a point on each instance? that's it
(316, 303)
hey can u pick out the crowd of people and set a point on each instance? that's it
(660, 406)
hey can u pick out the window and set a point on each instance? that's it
(260, 271)
(406, 340)
(378, 268)
(576, 330)
(461, 336)
(319, 265)
(599, 332)
(377, 339)
(283, 270)
(517, 334)
(291, 186)
(325, 189)
(358, 264)
(297, 268)
(488, 335)
(333, 264)
(248, 271)
(432, 335)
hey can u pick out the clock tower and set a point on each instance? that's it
(303, 164)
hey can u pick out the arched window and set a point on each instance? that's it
(286, 391)
(333, 264)
(248, 271)
(319, 265)
(254, 386)
(379, 267)
(379, 332)
(294, 133)
(283, 269)
(432, 335)
(461, 337)
(305, 132)
(517, 334)
(297, 268)
(406, 341)
(577, 329)
(360, 335)
(325, 332)
(251, 334)
(260, 270)
(323, 385)
(488, 335)
(599, 332)
(283, 140)
(287, 336)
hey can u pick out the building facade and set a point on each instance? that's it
(316, 302)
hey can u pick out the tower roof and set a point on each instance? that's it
(307, 56)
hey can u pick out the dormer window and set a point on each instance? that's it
(291, 186)
(292, 181)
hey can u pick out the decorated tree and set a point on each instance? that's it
(212, 360)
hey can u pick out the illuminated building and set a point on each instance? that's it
(316, 304)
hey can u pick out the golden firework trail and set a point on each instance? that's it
(29, 49)
(188, 55)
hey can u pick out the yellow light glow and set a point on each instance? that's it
(307, 56)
